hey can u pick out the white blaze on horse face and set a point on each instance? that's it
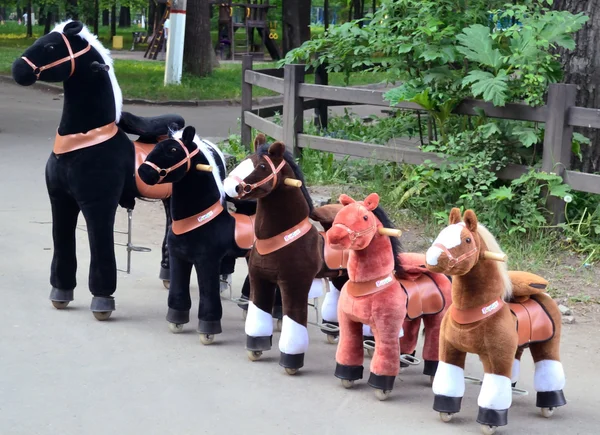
(449, 237)
(241, 171)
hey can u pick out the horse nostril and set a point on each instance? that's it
(238, 188)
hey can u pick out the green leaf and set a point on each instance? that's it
(492, 88)
(405, 48)
(476, 45)
(526, 135)
(560, 190)
(500, 194)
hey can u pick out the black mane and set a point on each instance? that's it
(289, 158)
(396, 246)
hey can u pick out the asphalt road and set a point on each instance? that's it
(63, 372)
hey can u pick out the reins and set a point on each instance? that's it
(188, 159)
(37, 70)
(247, 188)
(453, 261)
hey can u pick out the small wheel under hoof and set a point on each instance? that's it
(332, 339)
(445, 417)
(175, 328)
(488, 430)
(547, 412)
(291, 371)
(207, 338)
(102, 315)
(382, 394)
(347, 383)
(166, 283)
(254, 355)
(278, 325)
(60, 305)
(244, 314)
(370, 352)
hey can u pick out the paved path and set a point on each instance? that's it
(64, 373)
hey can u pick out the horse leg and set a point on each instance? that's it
(210, 310)
(65, 211)
(495, 397)
(179, 300)
(329, 307)
(549, 377)
(293, 342)
(226, 270)
(516, 368)
(350, 355)
(449, 381)
(164, 262)
(431, 346)
(259, 321)
(408, 343)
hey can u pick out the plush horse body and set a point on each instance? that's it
(495, 314)
(92, 166)
(288, 252)
(204, 234)
(372, 296)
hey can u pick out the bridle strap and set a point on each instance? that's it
(188, 159)
(247, 188)
(71, 57)
(453, 261)
(354, 235)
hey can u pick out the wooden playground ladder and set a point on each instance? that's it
(158, 38)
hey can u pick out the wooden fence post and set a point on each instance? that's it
(293, 115)
(321, 78)
(558, 137)
(246, 102)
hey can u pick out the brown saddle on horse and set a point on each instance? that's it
(424, 296)
(158, 191)
(244, 230)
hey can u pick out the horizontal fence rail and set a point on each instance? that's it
(559, 114)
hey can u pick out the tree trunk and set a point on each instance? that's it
(71, 9)
(29, 28)
(582, 67)
(106, 17)
(326, 14)
(113, 20)
(96, 17)
(296, 24)
(47, 19)
(198, 52)
(151, 16)
(124, 17)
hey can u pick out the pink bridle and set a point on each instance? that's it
(71, 57)
(453, 261)
(162, 173)
(247, 188)
(354, 235)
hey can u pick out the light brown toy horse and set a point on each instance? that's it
(372, 297)
(495, 314)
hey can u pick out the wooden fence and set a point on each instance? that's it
(559, 114)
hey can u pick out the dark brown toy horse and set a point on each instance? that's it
(288, 252)
(495, 314)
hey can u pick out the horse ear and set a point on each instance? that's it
(73, 28)
(277, 149)
(259, 140)
(470, 220)
(454, 217)
(188, 134)
(345, 199)
(371, 201)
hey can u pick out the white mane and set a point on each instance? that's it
(493, 246)
(92, 39)
(205, 148)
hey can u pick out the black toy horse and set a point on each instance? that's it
(204, 234)
(92, 166)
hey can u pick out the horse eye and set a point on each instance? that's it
(365, 217)
(173, 149)
(468, 240)
(262, 166)
(49, 47)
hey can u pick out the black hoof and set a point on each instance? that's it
(350, 373)
(102, 304)
(404, 365)
(164, 274)
(259, 343)
(382, 382)
(550, 399)
(447, 404)
(291, 361)
(492, 417)
(178, 317)
(209, 327)
(430, 367)
(58, 295)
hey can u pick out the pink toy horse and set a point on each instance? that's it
(372, 297)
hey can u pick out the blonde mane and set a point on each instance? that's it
(492, 245)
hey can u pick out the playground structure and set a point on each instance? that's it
(249, 16)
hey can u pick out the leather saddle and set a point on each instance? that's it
(158, 191)
(534, 323)
(244, 230)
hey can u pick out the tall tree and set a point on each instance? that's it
(29, 27)
(296, 23)
(72, 9)
(125, 17)
(113, 20)
(582, 67)
(198, 54)
(105, 17)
